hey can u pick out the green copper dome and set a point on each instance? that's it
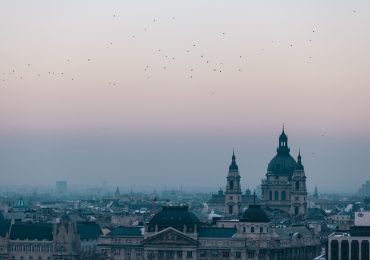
(283, 163)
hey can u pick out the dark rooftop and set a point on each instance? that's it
(32, 231)
(88, 230)
(174, 216)
(131, 231)
(254, 214)
(216, 232)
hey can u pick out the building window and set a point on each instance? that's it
(214, 253)
(231, 185)
(231, 197)
(270, 195)
(296, 210)
(355, 250)
(179, 254)
(189, 254)
(244, 230)
(252, 229)
(202, 253)
(238, 255)
(364, 249)
(230, 209)
(297, 185)
(250, 254)
(276, 195)
(283, 195)
(334, 248)
(225, 253)
(261, 229)
(344, 250)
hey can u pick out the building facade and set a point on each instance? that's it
(233, 194)
(176, 233)
(284, 187)
(232, 202)
(354, 244)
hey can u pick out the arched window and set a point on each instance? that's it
(334, 250)
(364, 250)
(355, 250)
(276, 195)
(344, 252)
(261, 229)
(252, 229)
(283, 195)
(244, 230)
(231, 185)
(270, 195)
(297, 185)
(230, 209)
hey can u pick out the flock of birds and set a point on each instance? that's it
(215, 66)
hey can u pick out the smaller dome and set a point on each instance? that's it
(174, 216)
(21, 204)
(254, 214)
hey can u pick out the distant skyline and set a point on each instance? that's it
(161, 92)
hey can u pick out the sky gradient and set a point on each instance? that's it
(162, 91)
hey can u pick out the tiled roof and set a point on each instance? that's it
(127, 231)
(32, 231)
(216, 232)
(88, 230)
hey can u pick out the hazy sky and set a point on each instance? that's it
(159, 92)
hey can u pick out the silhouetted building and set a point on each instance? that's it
(61, 188)
(232, 202)
(285, 185)
(233, 194)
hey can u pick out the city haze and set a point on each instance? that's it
(161, 93)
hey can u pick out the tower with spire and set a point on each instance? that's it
(233, 194)
(299, 190)
(316, 193)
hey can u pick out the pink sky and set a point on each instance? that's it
(305, 64)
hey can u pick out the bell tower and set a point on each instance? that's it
(233, 194)
(299, 190)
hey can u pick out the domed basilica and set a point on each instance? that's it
(284, 187)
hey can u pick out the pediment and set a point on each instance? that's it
(170, 236)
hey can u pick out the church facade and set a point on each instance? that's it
(284, 187)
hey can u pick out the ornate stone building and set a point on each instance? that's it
(232, 202)
(233, 194)
(176, 233)
(47, 241)
(284, 187)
